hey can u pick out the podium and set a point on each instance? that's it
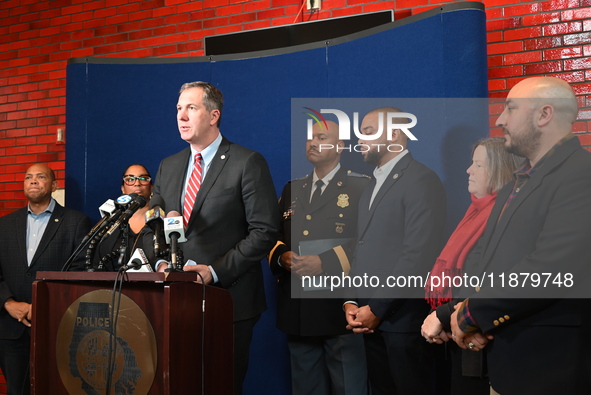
(171, 336)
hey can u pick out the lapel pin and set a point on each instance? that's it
(223, 156)
(340, 183)
(56, 219)
(395, 176)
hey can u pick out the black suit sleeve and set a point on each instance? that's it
(262, 221)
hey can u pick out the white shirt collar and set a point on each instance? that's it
(208, 153)
(382, 172)
(326, 179)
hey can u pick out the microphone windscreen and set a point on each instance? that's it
(155, 213)
(123, 200)
(157, 201)
(141, 201)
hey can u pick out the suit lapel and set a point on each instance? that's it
(392, 178)
(363, 217)
(21, 236)
(493, 218)
(332, 190)
(215, 169)
(499, 225)
(301, 195)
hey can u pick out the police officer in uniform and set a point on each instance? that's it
(319, 217)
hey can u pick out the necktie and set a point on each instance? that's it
(317, 192)
(192, 188)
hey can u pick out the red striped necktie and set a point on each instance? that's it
(192, 189)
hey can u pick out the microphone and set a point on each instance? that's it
(107, 208)
(173, 227)
(110, 211)
(155, 220)
(136, 202)
(157, 201)
(138, 262)
(120, 205)
(174, 233)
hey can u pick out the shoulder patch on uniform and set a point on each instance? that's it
(353, 174)
(301, 178)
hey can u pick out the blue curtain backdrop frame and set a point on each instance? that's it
(122, 111)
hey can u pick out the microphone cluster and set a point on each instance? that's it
(130, 204)
(167, 228)
(173, 231)
(114, 214)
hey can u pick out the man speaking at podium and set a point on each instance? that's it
(229, 206)
(39, 237)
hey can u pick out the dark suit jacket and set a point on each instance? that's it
(400, 235)
(65, 230)
(541, 345)
(234, 223)
(334, 216)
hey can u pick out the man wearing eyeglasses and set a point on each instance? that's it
(39, 237)
(229, 205)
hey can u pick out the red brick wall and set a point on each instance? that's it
(38, 36)
(541, 38)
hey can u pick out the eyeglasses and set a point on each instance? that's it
(130, 180)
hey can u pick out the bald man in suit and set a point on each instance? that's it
(400, 228)
(536, 337)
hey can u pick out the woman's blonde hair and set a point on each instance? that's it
(500, 163)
